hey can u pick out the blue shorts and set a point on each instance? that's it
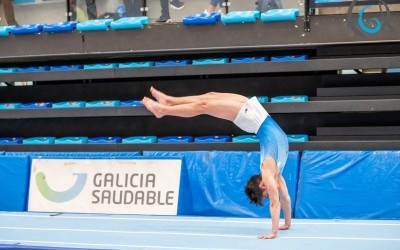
(273, 143)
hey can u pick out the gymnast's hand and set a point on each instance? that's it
(271, 235)
(284, 227)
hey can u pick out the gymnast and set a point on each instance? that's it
(250, 116)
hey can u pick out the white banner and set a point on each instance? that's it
(135, 186)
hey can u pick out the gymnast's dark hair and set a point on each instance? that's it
(253, 190)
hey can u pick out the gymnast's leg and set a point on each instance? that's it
(172, 100)
(221, 108)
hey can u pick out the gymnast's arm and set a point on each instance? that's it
(284, 199)
(269, 174)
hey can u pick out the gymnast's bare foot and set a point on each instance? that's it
(152, 106)
(161, 97)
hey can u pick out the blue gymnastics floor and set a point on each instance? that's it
(94, 231)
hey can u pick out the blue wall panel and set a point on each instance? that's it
(14, 181)
(349, 184)
(217, 181)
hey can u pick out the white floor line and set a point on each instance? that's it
(194, 234)
(242, 221)
(52, 243)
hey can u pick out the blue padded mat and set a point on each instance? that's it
(262, 99)
(135, 65)
(14, 182)
(60, 27)
(5, 30)
(105, 140)
(102, 104)
(91, 25)
(349, 184)
(139, 139)
(175, 139)
(280, 15)
(240, 17)
(11, 140)
(66, 67)
(100, 66)
(297, 138)
(210, 61)
(34, 69)
(8, 70)
(201, 19)
(36, 105)
(288, 58)
(245, 139)
(297, 98)
(172, 63)
(130, 23)
(212, 139)
(39, 140)
(10, 105)
(249, 59)
(131, 103)
(71, 140)
(76, 104)
(27, 29)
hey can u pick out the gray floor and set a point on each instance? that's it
(196, 233)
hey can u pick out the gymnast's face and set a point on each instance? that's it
(264, 188)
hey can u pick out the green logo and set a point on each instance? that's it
(64, 196)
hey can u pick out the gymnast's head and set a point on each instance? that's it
(256, 190)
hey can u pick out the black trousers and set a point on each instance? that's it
(133, 7)
(90, 6)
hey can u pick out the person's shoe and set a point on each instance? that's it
(176, 4)
(162, 19)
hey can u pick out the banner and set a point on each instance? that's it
(134, 186)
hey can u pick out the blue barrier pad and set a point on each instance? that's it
(210, 61)
(100, 66)
(249, 59)
(172, 63)
(71, 140)
(77, 155)
(175, 139)
(11, 140)
(280, 15)
(130, 23)
(245, 139)
(98, 24)
(77, 104)
(212, 139)
(201, 19)
(135, 65)
(105, 140)
(10, 105)
(60, 27)
(217, 180)
(262, 99)
(8, 70)
(34, 69)
(288, 58)
(139, 139)
(349, 184)
(66, 68)
(14, 182)
(298, 98)
(5, 30)
(240, 17)
(297, 138)
(393, 70)
(39, 140)
(131, 103)
(27, 29)
(36, 105)
(96, 104)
